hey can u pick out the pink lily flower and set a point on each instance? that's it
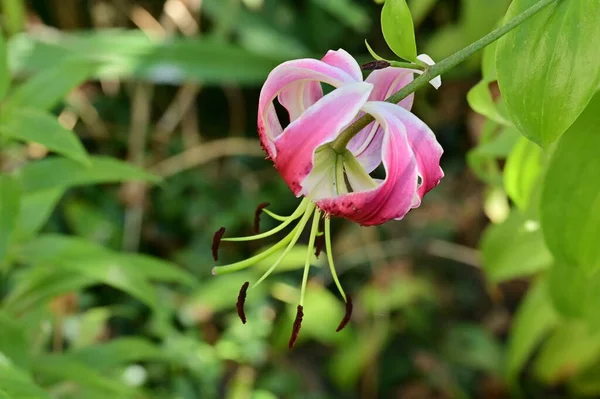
(334, 182)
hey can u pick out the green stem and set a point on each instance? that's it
(440, 68)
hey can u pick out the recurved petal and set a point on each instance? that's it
(393, 196)
(319, 124)
(279, 79)
(435, 82)
(389, 80)
(341, 59)
(298, 96)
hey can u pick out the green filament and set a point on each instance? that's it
(297, 213)
(311, 243)
(275, 216)
(297, 231)
(330, 257)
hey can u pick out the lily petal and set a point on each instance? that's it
(283, 75)
(389, 80)
(435, 82)
(341, 59)
(394, 195)
(298, 96)
(319, 124)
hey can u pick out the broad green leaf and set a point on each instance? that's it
(28, 124)
(568, 286)
(58, 367)
(398, 29)
(488, 63)
(481, 101)
(48, 87)
(549, 66)
(38, 285)
(36, 208)
(16, 384)
(4, 72)
(534, 319)
(570, 348)
(64, 173)
(10, 194)
(13, 342)
(522, 172)
(132, 54)
(570, 202)
(514, 248)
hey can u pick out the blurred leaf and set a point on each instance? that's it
(522, 172)
(132, 54)
(40, 127)
(397, 293)
(570, 204)
(35, 210)
(568, 286)
(38, 285)
(534, 319)
(15, 384)
(548, 68)
(480, 100)
(471, 346)
(13, 343)
(116, 353)
(419, 9)
(58, 367)
(65, 173)
(398, 29)
(348, 12)
(53, 82)
(90, 221)
(86, 328)
(570, 348)
(13, 15)
(587, 381)
(10, 193)
(514, 248)
(4, 72)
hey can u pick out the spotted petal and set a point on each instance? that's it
(319, 124)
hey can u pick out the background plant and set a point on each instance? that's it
(123, 150)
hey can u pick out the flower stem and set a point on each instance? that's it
(441, 67)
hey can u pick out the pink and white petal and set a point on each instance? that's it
(435, 82)
(341, 59)
(320, 124)
(389, 80)
(366, 146)
(393, 197)
(298, 96)
(427, 151)
(283, 75)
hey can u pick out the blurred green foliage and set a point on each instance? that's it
(127, 137)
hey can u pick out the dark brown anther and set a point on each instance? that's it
(216, 242)
(348, 314)
(257, 213)
(319, 243)
(241, 300)
(296, 327)
(373, 65)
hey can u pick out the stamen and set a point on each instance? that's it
(319, 243)
(373, 65)
(296, 327)
(296, 232)
(297, 213)
(257, 213)
(275, 216)
(330, 257)
(241, 300)
(216, 242)
(348, 314)
(311, 243)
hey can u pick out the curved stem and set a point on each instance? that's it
(441, 67)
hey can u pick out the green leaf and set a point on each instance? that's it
(398, 29)
(549, 66)
(571, 348)
(10, 193)
(587, 381)
(64, 173)
(534, 319)
(570, 202)
(4, 72)
(481, 101)
(471, 346)
(36, 208)
(514, 248)
(15, 384)
(349, 12)
(132, 54)
(48, 87)
(522, 172)
(13, 342)
(40, 127)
